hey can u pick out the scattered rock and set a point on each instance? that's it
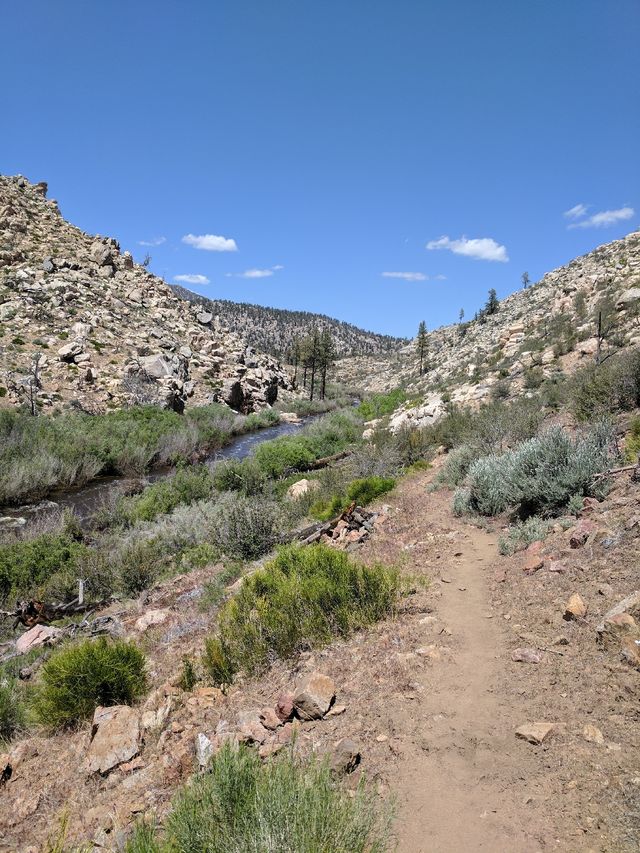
(269, 719)
(533, 564)
(115, 738)
(151, 617)
(204, 749)
(313, 697)
(345, 756)
(525, 655)
(580, 533)
(575, 608)
(284, 707)
(592, 734)
(630, 651)
(535, 733)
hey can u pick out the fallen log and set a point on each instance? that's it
(612, 472)
(33, 612)
(326, 460)
(350, 527)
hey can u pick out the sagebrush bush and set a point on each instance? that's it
(457, 464)
(246, 527)
(540, 475)
(632, 441)
(290, 804)
(303, 597)
(78, 678)
(140, 565)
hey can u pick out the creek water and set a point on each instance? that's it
(87, 500)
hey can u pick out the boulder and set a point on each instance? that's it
(628, 298)
(204, 317)
(115, 738)
(630, 604)
(301, 487)
(313, 696)
(69, 351)
(284, 707)
(39, 635)
(592, 734)
(526, 655)
(101, 253)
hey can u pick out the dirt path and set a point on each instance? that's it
(462, 790)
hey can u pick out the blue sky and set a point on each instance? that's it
(326, 143)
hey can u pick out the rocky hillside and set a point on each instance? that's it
(81, 323)
(546, 330)
(273, 330)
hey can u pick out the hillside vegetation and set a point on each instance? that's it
(274, 330)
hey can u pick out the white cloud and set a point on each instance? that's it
(210, 242)
(440, 277)
(480, 248)
(253, 273)
(194, 278)
(575, 212)
(277, 267)
(604, 218)
(156, 241)
(407, 276)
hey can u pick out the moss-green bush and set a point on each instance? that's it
(361, 491)
(379, 405)
(187, 485)
(12, 708)
(522, 534)
(25, 566)
(304, 597)
(78, 678)
(289, 805)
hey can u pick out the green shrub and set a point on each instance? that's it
(611, 386)
(27, 565)
(187, 485)
(522, 534)
(540, 475)
(632, 441)
(289, 453)
(246, 527)
(12, 709)
(78, 678)
(379, 405)
(235, 475)
(361, 491)
(289, 804)
(140, 565)
(304, 597)
(457, 464)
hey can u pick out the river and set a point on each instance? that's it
(85, 501)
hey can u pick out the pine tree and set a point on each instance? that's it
(525, 280)
(422, 343)
(492, 303)
(327, 356)
(461, 315)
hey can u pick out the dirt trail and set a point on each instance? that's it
(463, 789)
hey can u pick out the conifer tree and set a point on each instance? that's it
(422, 344)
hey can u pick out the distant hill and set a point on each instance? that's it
(272, 330)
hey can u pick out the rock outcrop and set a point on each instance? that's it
(547, 329)
(81, 323)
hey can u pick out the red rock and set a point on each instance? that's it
(630, 651)
(533, 563)
(39, 635)
(269, 719)
(580, 533)
(284, 707)
(115, 738)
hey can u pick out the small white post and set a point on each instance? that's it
(80, 591)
